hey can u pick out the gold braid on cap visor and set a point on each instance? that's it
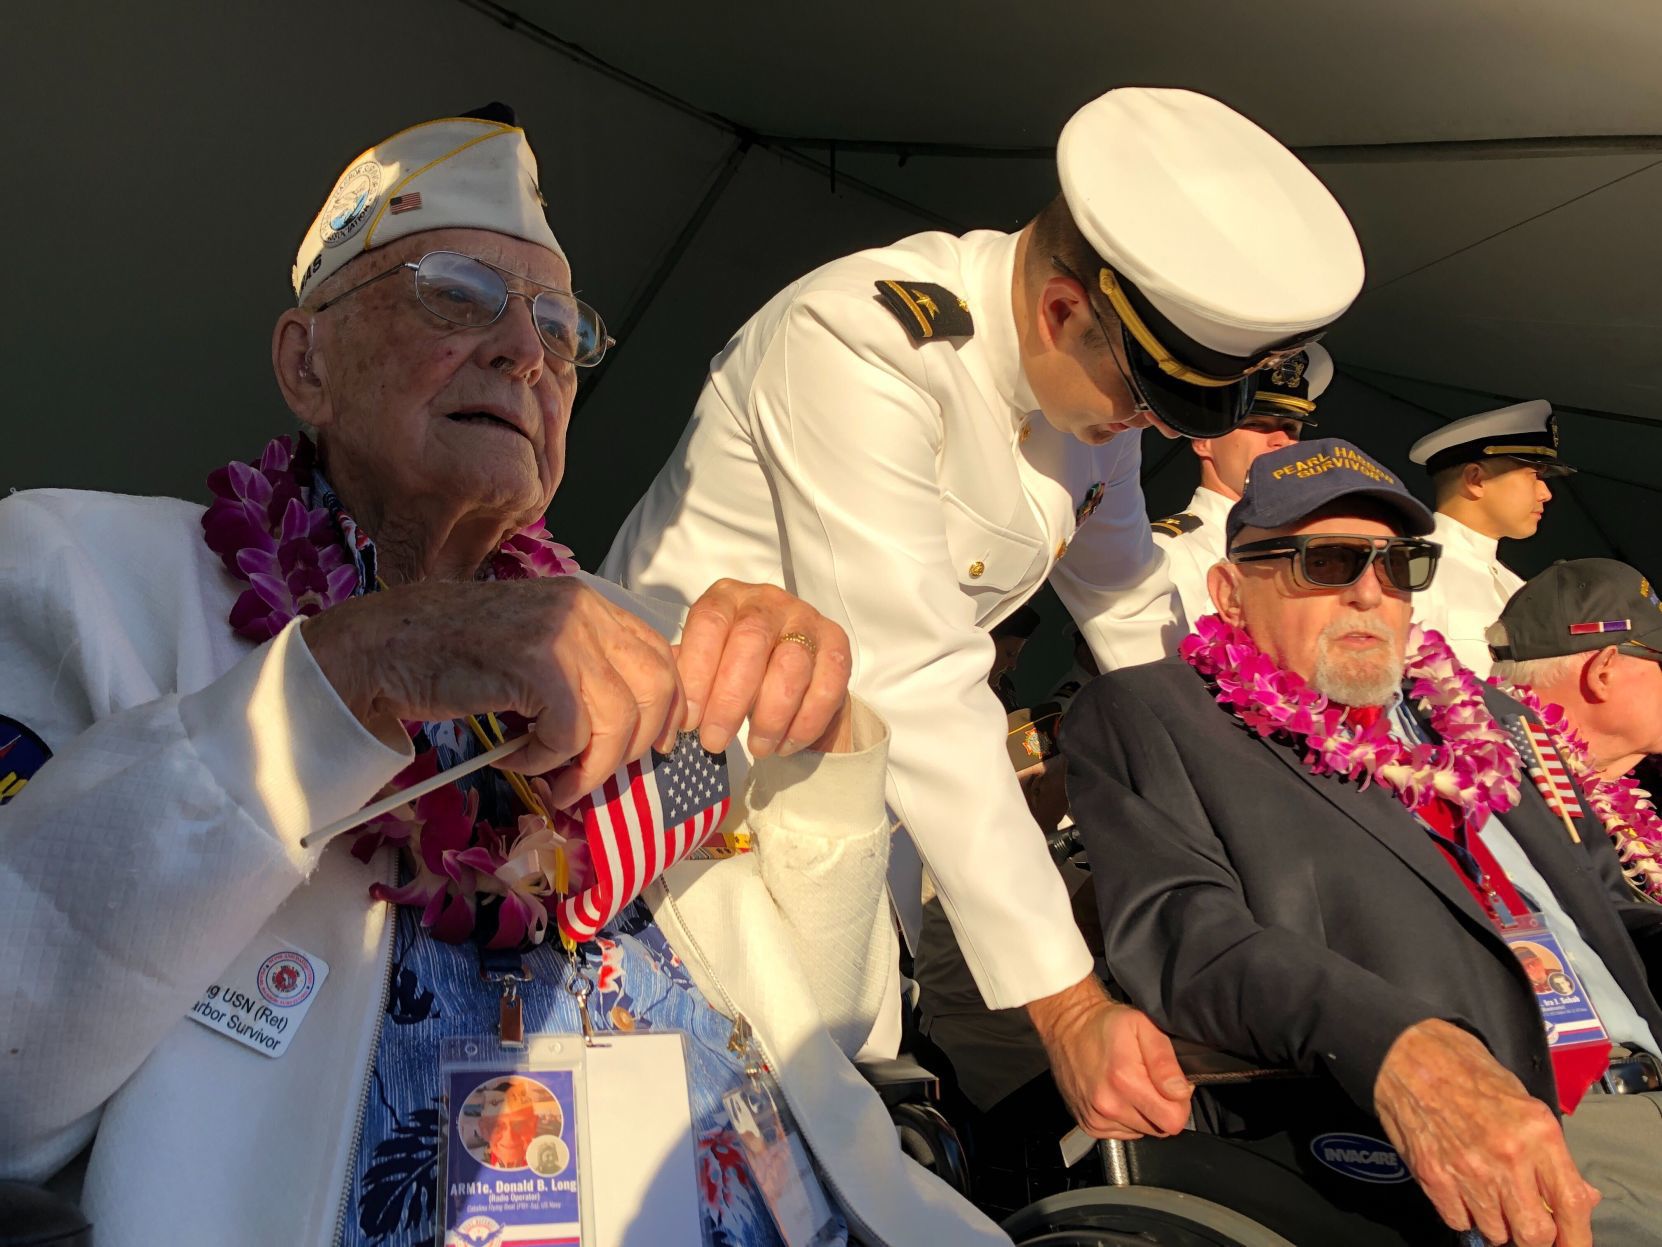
(1169, 363)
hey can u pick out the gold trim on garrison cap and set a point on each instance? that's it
(1221, 254)
(471, 172)
(1527, 432)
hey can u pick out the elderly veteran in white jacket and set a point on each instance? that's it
(187, 697)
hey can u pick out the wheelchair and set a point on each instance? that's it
(1326, 1178)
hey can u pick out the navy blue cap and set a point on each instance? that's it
(1285, 485)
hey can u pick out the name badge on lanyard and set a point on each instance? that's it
(566, 1140)
(1566, 1011)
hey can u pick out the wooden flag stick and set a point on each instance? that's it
(387, 804)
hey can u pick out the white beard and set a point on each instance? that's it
(1355, 681)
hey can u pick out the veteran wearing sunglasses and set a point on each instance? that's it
(190, 698)
(916, 438)
(1314, 848)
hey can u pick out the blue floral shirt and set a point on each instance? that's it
(435, 992)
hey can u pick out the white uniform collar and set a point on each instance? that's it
(989, 265)
(1451, 532)
(1210, 507)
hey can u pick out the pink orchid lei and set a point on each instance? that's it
(1475, 767)
(298, 559)
(1622, 806)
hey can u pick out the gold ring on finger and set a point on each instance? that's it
(799, 638)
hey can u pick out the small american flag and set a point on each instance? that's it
(639, 823)
(1554, 783)
(404, 203)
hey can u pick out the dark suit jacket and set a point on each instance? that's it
(1296, 920)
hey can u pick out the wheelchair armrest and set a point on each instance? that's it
(1208, 1067)
(900, 1080)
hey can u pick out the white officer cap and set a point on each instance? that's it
(1524, 431)
(1222, 253)
(1291, 389)
(475, 171)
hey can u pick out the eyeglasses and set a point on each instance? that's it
(474, 293)
(1338, 560)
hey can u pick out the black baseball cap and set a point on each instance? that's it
(1285, 485)
(1580, 605)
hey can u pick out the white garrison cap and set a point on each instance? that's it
(1524, 431)
(1217, 225)
(470, 172)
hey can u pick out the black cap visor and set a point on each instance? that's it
(1185, 409)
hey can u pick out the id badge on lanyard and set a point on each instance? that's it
(567, 1140)
(774, 1149)
(1566, 1011)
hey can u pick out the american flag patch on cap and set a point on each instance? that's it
(404, 203)
(1601, 625)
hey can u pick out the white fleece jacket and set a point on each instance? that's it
(162, 838)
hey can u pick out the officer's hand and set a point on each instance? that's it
(735, 663)
(600, 684)
(1487, 1153)
(1113, 1066)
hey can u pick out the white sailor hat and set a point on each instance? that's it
(1527, 432)
(1291, 388)
(475, 171)
(1222, 255)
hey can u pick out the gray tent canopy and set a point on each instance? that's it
(1499, 158)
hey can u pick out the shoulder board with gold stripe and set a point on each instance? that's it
(1177, 525)
(926, 311)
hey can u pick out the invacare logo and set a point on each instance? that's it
(1360, 1157)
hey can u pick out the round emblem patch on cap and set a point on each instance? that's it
(285, 979)
(349, 206)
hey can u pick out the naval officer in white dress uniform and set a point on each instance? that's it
(915, 438)
(1193, 539)
(1490, 472)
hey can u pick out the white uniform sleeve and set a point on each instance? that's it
(849, 439)
(153, 844)
(1115, 581)
(822, 847)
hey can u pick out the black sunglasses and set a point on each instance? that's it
(1338, 560)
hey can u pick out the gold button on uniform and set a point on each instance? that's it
(976, 568)
(1026, 431)
(1061, 548)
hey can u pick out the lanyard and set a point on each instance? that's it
(507, 968)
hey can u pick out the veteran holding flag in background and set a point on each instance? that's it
(916, 438)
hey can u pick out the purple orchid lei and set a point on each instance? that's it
(298, 559)
(1475, 767)
(1622, 806)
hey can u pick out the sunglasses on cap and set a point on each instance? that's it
(474, 293)
(1338, 560)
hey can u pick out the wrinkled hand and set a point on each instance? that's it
(1113, 1066)
(600, 684)
(1487, 1153)
(734, 666)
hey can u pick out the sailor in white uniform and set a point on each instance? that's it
(915, 438)
(1284, 407)
(1490, 472)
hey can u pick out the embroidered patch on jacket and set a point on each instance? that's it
(1177, 525)
(22, 753)
(927, 311)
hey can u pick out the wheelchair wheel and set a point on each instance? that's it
(1108, 1216)
(928, 1138)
